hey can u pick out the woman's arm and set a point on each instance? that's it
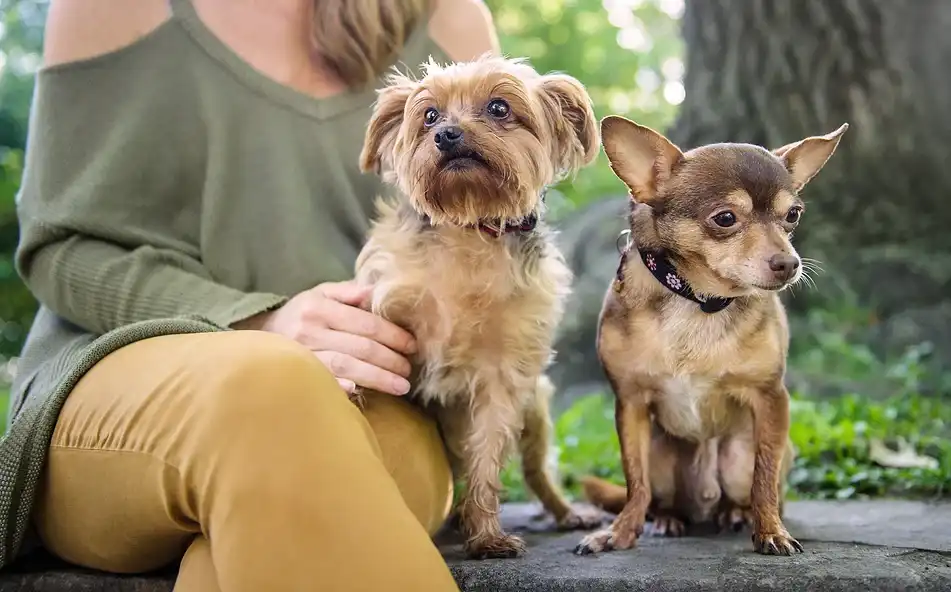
(107, 235)
(463, 29)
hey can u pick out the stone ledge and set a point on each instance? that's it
(850, 546)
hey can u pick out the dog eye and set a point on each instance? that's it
(793, 215)
(430, 116)
(498, 108)
(725, 219)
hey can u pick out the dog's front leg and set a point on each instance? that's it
(488, 436)
(770, 433)
(634, 432)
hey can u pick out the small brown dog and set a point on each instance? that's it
(464, 261)
(693, 336)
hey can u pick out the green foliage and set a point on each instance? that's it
(20, 40)
(833, 441)
(627, 54)
(17, 306)
(834, 437)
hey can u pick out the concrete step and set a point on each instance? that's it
(850, 546)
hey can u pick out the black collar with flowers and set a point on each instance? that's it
(656, 262)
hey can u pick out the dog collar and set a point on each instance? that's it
(496, 228)
(663, 270)
(656, 262)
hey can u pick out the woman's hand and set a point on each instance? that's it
(359, 347)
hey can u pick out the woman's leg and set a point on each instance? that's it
(197, 571)
(244, 438)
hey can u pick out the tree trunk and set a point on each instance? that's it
(774, 71)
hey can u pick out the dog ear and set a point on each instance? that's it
(639, 156)
(805, 158)
(571, 116)
(384, 125)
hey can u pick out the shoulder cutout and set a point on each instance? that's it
(78, 30)
(463, 29)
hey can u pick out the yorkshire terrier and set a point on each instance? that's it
(463, 259)
(693, 336)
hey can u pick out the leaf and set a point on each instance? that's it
(903, 458)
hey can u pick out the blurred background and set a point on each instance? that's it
(870, 368)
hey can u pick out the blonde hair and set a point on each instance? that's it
(358, 40)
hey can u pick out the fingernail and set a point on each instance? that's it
(411, 346)
(401, 386)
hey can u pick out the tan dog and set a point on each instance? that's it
(693, 336)
(464, 262)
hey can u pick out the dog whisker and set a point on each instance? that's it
(813, 264)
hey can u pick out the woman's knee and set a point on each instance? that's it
(414, 455)
(256, 383)
(265, 396)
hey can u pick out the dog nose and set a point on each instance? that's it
(448, 137)
(783, 266)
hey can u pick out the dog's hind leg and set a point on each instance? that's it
(533, 447)
(666, 459)
(736, 462)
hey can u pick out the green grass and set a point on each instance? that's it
(4, 401)
(832, 440)
(839, 439)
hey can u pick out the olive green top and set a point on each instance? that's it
(170, 187)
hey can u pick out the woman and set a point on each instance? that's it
(192, 167)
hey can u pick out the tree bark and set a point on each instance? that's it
(774, 71)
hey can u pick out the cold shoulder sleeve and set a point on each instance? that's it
(110, 203)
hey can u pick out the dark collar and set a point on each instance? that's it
(656, 262)
(496, 228)
(661, 268)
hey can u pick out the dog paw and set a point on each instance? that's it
(734, 518)
(619, 536)
(582, 518)
(780, 543)
(506, 546)
(668, 526)
(357, 398)
(596, 542)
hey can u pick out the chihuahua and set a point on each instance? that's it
(463, 259)
(692, 334)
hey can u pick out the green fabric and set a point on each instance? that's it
(171, 188)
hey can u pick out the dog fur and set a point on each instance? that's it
(483, 308)
(701, 408)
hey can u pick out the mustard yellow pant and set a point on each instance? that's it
(239, 452)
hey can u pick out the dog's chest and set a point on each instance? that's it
(691, 407)
(481, 318)
(684, 358)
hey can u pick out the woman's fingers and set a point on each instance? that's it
(345, 292)
(361, 348)
(348, 319)
(347, 367)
